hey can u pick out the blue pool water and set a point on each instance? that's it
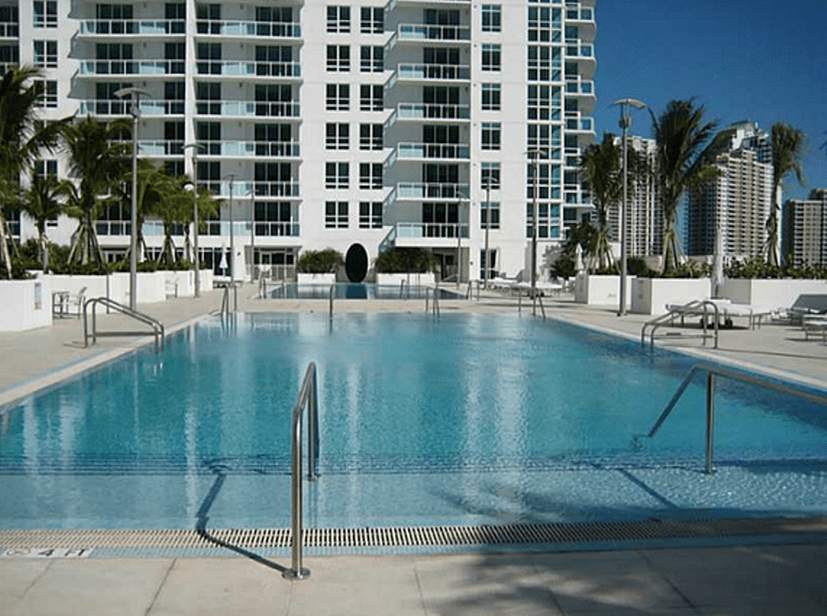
(462, 419)
(347, 290)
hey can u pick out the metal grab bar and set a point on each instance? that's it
(537, 299)
(469, 292)
(155, 324)
(711, 371)
(225, 301)
(331, 293)
(307, 396)
(435, 304)
(690, 308)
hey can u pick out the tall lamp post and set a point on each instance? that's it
(487, 225)
(231, 176)
(625, 122)
(534, 154)
(134, 94)
(195, 264)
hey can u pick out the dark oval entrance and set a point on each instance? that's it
(356, 263)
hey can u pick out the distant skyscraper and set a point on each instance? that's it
(805, 230)
(737, 203)
(645, 223)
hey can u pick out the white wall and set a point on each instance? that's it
(651, 295)
(770, 293)
(25, 304)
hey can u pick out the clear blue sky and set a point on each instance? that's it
(758, 60)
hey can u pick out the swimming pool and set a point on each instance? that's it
(462, 419)
(349, 290)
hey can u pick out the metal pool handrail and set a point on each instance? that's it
(155, 324)
(435, 305)
(331, 293)
(308, 397)
(682, 311)
(711, 371)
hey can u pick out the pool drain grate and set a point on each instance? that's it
(414, 537)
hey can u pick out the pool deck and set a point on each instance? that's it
(749, 579)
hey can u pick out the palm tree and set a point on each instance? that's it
(99, 160)
(686, 151)
(601, 170)
(23, 137)
(42, 204)
(788, 147)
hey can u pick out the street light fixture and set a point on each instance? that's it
(232, 244)
(534, 153)
(134, 94)
(625, 122)
(487, 225)
(195, 263)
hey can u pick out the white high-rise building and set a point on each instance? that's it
(737, 203)
(354, 126)
(805, 230)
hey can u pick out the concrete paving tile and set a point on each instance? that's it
(357, 586)
(610, 585)
(94, 587)
(219, 586)
(483, 584)
(758, 575)
(18, 574)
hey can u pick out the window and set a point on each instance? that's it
(370, 137)
(491, 57)
(373, 20)
(490, 97)
(548, 180)
(45, 54)
(275, 218)
(491, 17)
(338, 19)
(275, 60)
(208, 18)
(211, 54)
(45, 13)
(111, 59)
(176, 14)
(490, 135)
(337, 97)
(490, 214)
(45, 168)
(372, 59)
(544, 63)
(490, 176)
(208, 98)
(274, 180)
(176, 53)
(371, 98)
(548, 220)
(543, 102)
(275, 100)
(336, 176)
(48, 96)
(370, 176)
(370, 214)
(337, 136)
(335, 214)
(9, 22)
(338, 58)
(492, 268)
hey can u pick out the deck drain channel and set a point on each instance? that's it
(414, 537)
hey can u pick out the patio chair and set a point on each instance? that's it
(806, 305)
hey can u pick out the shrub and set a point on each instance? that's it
(404, 260)
(319, 261)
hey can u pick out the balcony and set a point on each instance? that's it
(94, 28)
(273, 70)
(9, 30)
(429, 234)
(574, 122)
(431, 72)
(430, 34)
(431, 191)
(248, 149)
(431, 151)
(276, 189)
(117, 68)
(245, 29)
(160, 148)
(121, 108)
(277, 229)
(248, 109)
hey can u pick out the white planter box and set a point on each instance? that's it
(651, 295)
(770, 293)
(25, 304)
(600, 290)
(316, 278)
(415, 280)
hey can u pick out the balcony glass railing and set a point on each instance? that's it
(276, 189)
(161, 148)
(132, 26)
(248, 109)
(430, 229)
(249, 28)
(9, 30)
(249, 148)
(433, 111)
(121, 107)
(433, 150)
(257, 69)
(434, 71)
(423, 32)
(132, 67)
(277, 229)
(428, 190)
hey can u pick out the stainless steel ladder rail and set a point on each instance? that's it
(538, 299)
(657, 322)
(331, 293)
(155, 324)
(711, 371)
(434, 306)
(307, 397)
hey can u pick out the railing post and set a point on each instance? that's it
(710, 420)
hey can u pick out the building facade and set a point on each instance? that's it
(354, 126)
(733, 209)
(804, 239)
